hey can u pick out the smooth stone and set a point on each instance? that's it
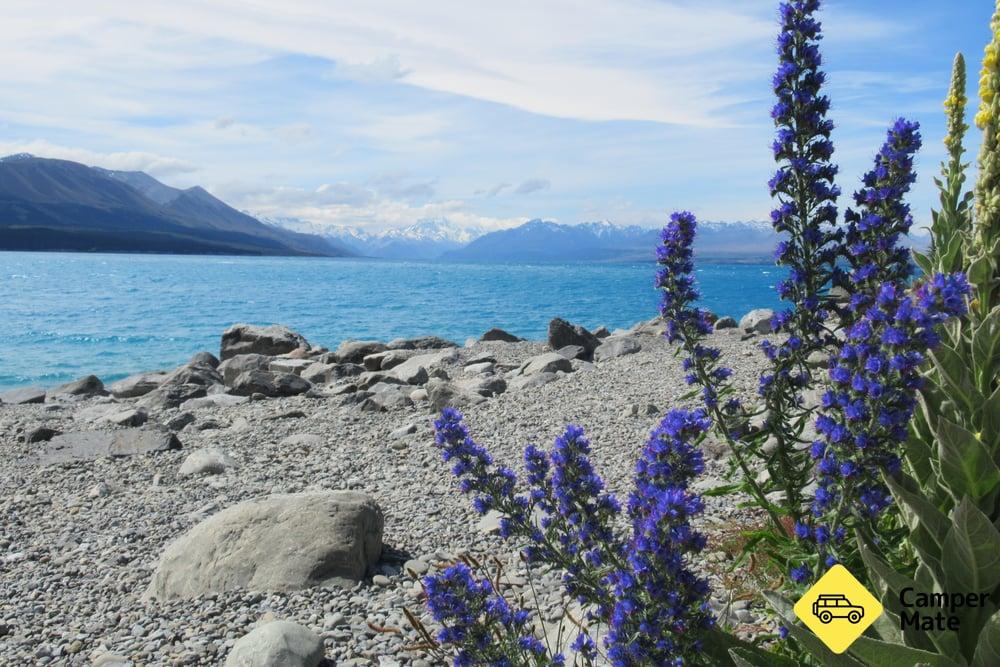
(615, 347)
(549, 362)
(252, 339)
(497, 334)
(137, 385)
(207, 461)
(90, 445)
(277, 644)
(23, 396)
(281, 543)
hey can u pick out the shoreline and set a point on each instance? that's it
(88, 532)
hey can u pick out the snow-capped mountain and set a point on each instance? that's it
(546, 241)
(425, 239)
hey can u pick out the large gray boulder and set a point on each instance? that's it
(269, 384)
(497, 334)
(563, 333)
(277, 644)
(757, 321)
(23, 396)
(232, 367)
(90, 385)
(550, 362)
(442, 394)
(253, 339)
(616, 346)
(137, 385)
(288, 365)
(281, 543)
(89, 445)
(354, 351)
(725, 322)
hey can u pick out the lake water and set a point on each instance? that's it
(66, 315)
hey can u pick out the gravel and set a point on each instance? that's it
(81, 539)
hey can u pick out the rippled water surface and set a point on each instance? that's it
(66, 315)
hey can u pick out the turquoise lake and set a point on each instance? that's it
(66, 315)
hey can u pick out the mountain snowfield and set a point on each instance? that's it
(535, 240)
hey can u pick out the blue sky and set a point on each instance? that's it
(382, 113)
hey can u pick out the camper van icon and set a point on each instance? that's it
(828, 607)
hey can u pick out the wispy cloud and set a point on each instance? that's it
(155, 165)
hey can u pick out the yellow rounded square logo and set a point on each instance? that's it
(838, 609)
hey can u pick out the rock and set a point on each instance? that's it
(341, 371)
(170, 396)
(383, 361)
(442, 394)
(563, 333)
(726, 322)
(294, 366)
(550, 362)
(23, 396)
(615, 347)
(403, 431)
(480, 368)
(602, 332)
(317, 372)
(137, 385)
(277, 644)
(757, 321)
(89, 445)
(127, 417)
(391, 398)
(90, 385)
(418, 395)
(420, 343)
(194, 374)
(488, 385)
(232, 368)
(410, 374)
(214, 401)
(207, 461)
(99, 490)
(280, 543)
(354, 351)
(41, 434)
(654, 327)
(204, 359)
(496, 334)
(251, 339)
(269, 384)
(536, 380)
(180, 421)
(572, 352)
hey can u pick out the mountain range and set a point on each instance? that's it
(50, 204)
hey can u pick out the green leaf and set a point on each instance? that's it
(988, 645)
(986, 349)
(967, 467)
(972, 551)
(875, 652)
(723, 490)
(920, 508)
(745, 657)
(991, 420)
(954, 371)
(923, 261)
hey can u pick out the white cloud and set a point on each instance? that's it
(586, 59)
(155, 165)
(356, 206)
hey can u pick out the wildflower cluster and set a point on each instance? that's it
(874, 379)
(639, 585)
(687, 324)
(874, 231)
(479, 623)
(804, 182)
(660, 611)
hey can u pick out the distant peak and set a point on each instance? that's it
(17, 156)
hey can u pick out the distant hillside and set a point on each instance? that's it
(543, 241)
(61, 205)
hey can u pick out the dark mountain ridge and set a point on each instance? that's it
(48, 204)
